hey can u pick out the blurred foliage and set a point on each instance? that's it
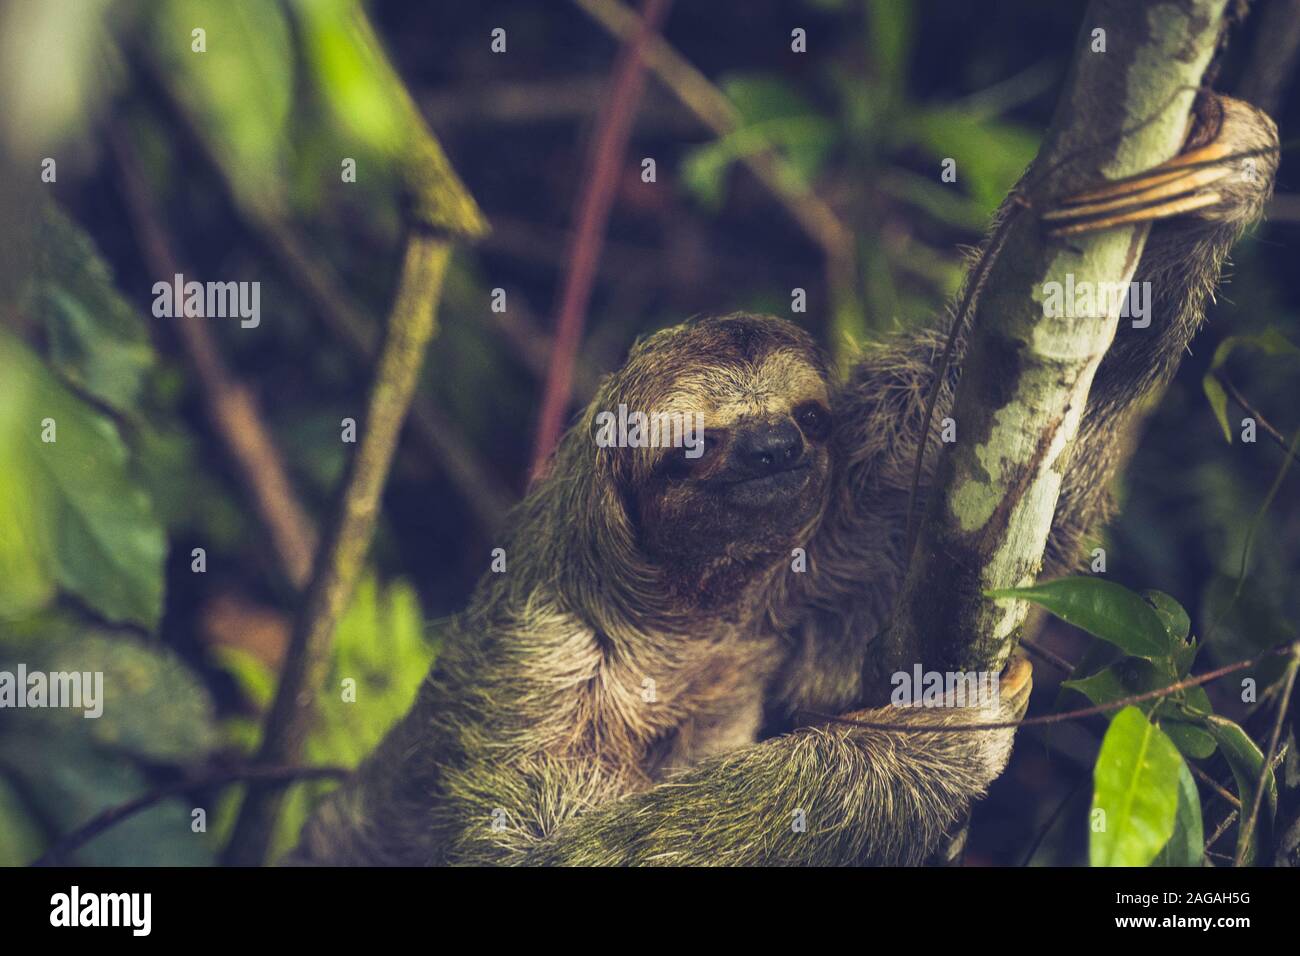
(381, 654)
(97, 527)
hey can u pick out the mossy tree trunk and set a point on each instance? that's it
(1025, 376)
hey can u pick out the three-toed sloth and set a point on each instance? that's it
(626, 691)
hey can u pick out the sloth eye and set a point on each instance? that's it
(813, 420)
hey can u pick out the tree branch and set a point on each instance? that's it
(595, 200)
(1025, 377)
(410, 326)
(438, 208)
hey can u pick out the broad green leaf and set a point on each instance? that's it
(1187, 846)
(1172, 615)
(97, 341)
(803, 141)
(1245, 759)
(1119, 680)
(1191, 740)
(240, 90)
(1103, 609)
(357, 89)
(771, 114)
(150, 705)
(381, 648)
(760, 97)
(1133, 676)
(1136, 790)
(94, 528)
(991, 153)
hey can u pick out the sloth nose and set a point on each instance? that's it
(768, 448)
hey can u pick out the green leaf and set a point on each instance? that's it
(20, 833)
(1187, 846)
(1103, 609)
(1136, 783)
(150, 704)
(803, 141)
(357, 90)
(1172, 615)
(1246, 760)
(1271, 342)
(381, 648)
(1218, 400)
(1117, 681)
(1191, 740)
(240, 90)
(97, 341)
(91, 529)
(991, 153)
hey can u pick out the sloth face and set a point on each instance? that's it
(748, 478)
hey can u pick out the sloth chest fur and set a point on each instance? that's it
(674, 707)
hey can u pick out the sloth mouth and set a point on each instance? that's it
(758, 489)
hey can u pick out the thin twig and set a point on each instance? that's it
(1248, 826)
(1214, 785)
(270, 776)
(1048, 655)
(1264, 423)
(1231, 818)
(716, 111)
(230, 404)
(1063, 716)
(595, 200)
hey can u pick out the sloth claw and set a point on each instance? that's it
(1179, 186)
(1218, 172)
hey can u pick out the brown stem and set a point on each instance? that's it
(410, 326)
(229, 403)
(1248, 825)
(1232, 816)
(1264, 423)
(604, 164)
(1214, 785)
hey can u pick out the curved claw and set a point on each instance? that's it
(1170, 189)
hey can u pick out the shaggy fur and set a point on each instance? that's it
(612, 698)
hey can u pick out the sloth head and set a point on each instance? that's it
(703, 460)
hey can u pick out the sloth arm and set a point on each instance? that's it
(823, 796)
(831, 613)
(1198, 205)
